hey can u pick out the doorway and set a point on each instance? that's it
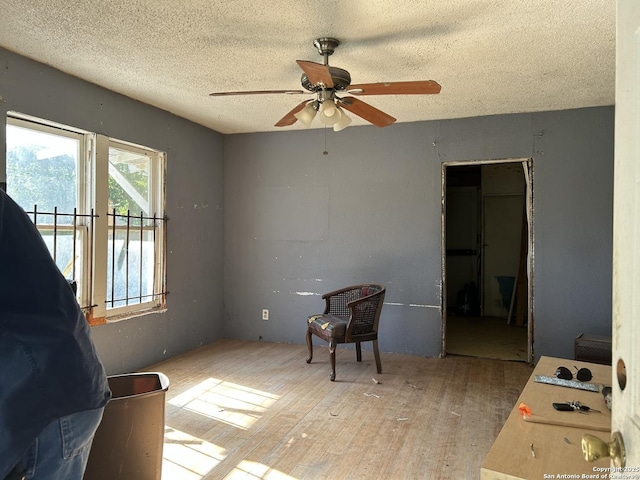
(487, 236)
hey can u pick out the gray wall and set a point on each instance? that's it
(194, 205)
(300, 223)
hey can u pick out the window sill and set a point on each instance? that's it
(125, 316)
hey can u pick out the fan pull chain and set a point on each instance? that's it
(325, 141)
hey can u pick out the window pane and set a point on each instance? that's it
(42, 170)
(42, 177)
(129, 174)
(62, 249)
(130, 278)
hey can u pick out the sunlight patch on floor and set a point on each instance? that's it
(227, 402)
(249, 470)
(186, 457)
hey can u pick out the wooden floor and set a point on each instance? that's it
(255, 410)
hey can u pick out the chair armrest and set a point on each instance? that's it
(365, 314)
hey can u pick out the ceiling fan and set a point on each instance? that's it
(328, 84)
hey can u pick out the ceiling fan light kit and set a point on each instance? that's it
(332, 116)
(329, 114)
(343, 123)
(307, 114)
(325, 81)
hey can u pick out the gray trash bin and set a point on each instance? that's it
(128, 443)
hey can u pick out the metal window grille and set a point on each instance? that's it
(58, 227)
(132, 224)
(57, 224)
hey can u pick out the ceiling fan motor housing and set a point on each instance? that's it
(341, 80)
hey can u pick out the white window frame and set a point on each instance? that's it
(156, 204)
(83, 186)
(93, 191)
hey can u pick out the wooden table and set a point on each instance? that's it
(510, 456)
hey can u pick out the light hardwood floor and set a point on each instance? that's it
(256, 410)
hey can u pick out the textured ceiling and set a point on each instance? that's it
(490, 56)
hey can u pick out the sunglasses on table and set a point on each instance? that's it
(582, 374)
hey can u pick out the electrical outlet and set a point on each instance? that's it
(265, 314)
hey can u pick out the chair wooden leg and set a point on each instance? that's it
(376, 353)
(358, 352)
(309, 346)
(332, 358)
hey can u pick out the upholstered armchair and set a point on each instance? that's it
(351, 315)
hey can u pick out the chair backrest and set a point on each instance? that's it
(361, 303)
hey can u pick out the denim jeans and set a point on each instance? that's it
(62, 449)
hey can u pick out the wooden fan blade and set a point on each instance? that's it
(289, 118)
(316, 72)
(366, 111)
(256, 92)
(395, 88)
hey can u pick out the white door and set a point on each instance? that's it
(626, 233)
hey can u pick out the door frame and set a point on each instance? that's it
(527, 164)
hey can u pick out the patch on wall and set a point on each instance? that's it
(292, 213)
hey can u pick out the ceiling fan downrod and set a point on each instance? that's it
(326, 46)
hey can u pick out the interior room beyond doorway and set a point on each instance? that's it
(486, 253)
